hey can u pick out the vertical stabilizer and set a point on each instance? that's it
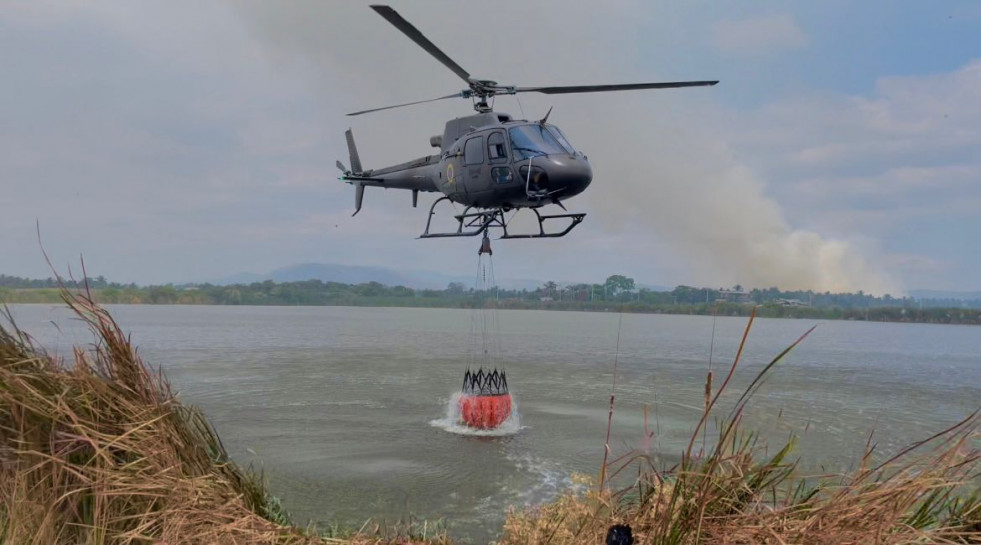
(358, 197)
(355, 160)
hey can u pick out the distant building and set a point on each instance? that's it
(791, 303)
(734, 296)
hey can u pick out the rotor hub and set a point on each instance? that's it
(482, 84)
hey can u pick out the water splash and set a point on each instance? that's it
(452, 422)
(550, 480)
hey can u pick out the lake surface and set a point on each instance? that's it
(345, 408)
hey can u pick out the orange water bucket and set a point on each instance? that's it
(485, 411)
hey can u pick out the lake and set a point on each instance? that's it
(345, 408)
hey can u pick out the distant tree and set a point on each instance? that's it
(402, 291)
(370, 289)
(455, 288)
(617, 284)
(162, 295)
(579, 291)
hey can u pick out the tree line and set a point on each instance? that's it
(617, 293)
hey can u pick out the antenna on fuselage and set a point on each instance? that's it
(548, 113)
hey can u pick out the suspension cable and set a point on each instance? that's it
(485, 348)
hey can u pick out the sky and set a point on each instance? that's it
(175, 141)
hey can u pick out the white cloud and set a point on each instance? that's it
(908, 121)
(763, 34)
(894, 185)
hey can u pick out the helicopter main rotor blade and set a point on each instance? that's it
(615, 87)
(413, 33)
(454, 95)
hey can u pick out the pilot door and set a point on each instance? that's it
(475, 165)
(485, 159)
(499, 173)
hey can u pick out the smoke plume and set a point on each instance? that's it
(685, 186)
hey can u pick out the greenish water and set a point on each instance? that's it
(345, 407)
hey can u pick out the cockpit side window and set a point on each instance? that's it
(497, 151)
(473, 152)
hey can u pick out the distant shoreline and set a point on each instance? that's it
(143, 296)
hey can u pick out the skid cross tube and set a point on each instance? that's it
(475, 222)
(576, 219)
(471, 224)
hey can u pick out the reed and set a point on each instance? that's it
(97, 450)
(733, 493)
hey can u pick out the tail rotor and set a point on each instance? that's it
(356, 171)
(353, 150)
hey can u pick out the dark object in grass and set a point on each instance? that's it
(619, 534)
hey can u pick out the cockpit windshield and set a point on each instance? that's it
(561, 138)
(535, 140)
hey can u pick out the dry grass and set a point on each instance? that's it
(99, 451)
(928, 493)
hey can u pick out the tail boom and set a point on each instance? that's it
(416, 175)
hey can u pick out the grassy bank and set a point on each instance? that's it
(98, 450)
(733, 492)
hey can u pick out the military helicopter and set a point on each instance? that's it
(489, 162)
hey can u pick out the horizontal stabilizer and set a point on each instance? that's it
(351, 179)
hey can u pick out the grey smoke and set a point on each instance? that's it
(688, 188)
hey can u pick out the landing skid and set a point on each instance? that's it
(471, 224)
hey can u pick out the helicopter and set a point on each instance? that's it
(489, 162)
